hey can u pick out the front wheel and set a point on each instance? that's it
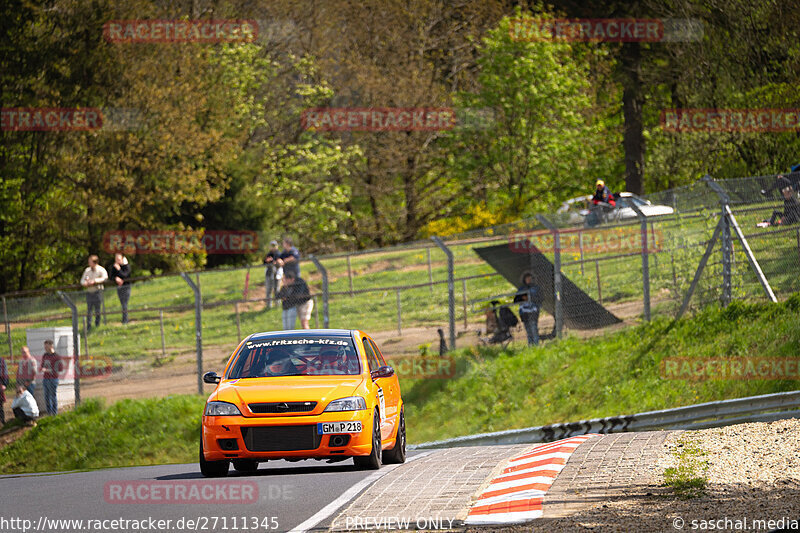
(398, 453)
(212, 468)
(373, 460)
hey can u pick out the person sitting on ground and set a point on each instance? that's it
(790, 213)
(24, 406)
(602, 194)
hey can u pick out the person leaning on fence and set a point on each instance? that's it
(3, 386)
(530, 298)
(26, 370)
(120, 275)
(24, 406)
(93, 278)
(602, 194)
(52, 368)
(296, 301)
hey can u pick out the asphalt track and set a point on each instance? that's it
(280, 496)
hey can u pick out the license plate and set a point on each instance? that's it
(327, 428)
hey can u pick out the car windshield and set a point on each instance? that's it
(296, 356)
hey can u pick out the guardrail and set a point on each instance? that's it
(705, 415)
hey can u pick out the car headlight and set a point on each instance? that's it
(222, 409)
(352, 403)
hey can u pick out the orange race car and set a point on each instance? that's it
(305, 394)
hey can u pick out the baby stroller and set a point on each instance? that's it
(499, 321)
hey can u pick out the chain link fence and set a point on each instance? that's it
(678, 251)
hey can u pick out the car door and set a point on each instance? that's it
(381, 383)
(392, 389)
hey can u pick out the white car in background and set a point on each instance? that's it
(580, 210)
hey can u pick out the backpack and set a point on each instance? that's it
(508, 317)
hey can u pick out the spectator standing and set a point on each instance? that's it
(271, 263)
(26, 370)
(52, 366)
(289, 258)
(93, 278)
(296, 301)
(24, 406)
(530, 297)
(120, 274)
(3, 385)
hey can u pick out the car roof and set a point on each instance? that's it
(301, 333)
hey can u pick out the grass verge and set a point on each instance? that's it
(688, 479)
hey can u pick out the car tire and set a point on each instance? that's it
(212, 468)
(373, 460)
(397, 454)
(245, 465)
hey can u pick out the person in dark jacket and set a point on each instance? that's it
(120, 272)
(529, 296)
(603, 194)
(52, 368)
(296, 299)
(791, 209)
(3, 385)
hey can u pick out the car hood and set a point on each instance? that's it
(320, 389)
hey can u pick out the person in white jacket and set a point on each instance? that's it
(24, 405)
(93, 278)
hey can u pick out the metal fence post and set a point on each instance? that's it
(645, 261)
(8, 327)
(238, 325)
(559, 316)
(430, 269)
(76, 344)
(161, 325)
(724, 200)
(464, 301)
(350, 276)
(198, 327)
(451, 297)
(324, 272)
(399, 320)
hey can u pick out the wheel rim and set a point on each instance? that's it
(376, 437)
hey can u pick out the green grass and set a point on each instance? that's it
(127, 433)
(615, 374)
(494, 389)
(689, 478)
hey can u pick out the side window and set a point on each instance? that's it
(373, 361)
(378, 353)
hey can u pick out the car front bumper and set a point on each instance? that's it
(283, 437)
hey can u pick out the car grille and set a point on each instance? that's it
(281, 438)
(282, 407)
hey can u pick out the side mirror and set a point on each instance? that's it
(382, 372)
(211, 377)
